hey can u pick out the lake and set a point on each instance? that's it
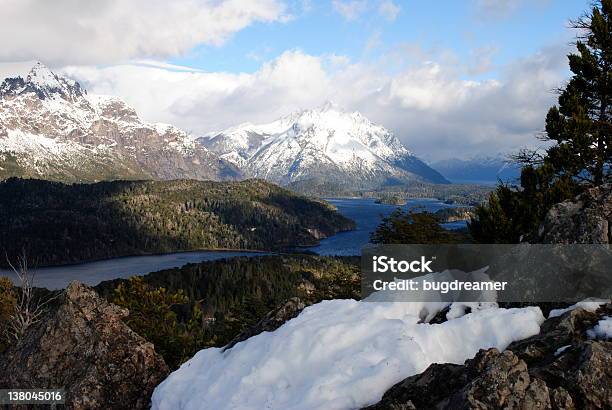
(367, 215)
(92, 273)
(365, 212)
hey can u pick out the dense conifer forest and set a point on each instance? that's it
(185, 309)
(53, 223)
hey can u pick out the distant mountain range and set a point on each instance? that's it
(481, 170)
(51, 128)
(327, 144)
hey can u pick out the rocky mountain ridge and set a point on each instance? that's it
(479, 169)
(51, 128)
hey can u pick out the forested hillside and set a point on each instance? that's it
(54, 223)
(185, 309)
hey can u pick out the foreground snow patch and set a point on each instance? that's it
(602, 330)
(590, 305)
(337, 354)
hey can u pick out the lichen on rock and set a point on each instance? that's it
(84, 347)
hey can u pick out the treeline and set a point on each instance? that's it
(465, 194)
(61, 223)
(208, 304)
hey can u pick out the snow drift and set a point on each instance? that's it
(338, 354)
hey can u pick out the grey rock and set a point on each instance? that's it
(585, 219)
(530, 374)
(84, 347)
(561, 400)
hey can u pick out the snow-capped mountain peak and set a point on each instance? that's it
(42, 77)
(480, 169)
(50, 127)
(326, 142)
(43, 83)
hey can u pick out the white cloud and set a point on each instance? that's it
(481, 60)
(351, 9)
(95, 31)
(389, 10)
(430, 106)
(496, 8)
(201, 102)
(500, 9)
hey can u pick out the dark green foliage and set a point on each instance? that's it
(73, 223)
(152, 317)
(512, 214)
(222, 298)
(581, 125)
(467, 194)
(580, 130)
(410, 227)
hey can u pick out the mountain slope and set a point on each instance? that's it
(478, 169)
(327, 144)
(50, 128)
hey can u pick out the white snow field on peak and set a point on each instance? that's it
(325, 140)
(338, 354)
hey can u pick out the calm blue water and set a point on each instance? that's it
(368, 214)
(365, 212)
(58, 277)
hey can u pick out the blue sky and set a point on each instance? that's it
(465, 28)
(450, 78)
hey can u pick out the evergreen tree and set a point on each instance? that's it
(411, 227)
(581, 124)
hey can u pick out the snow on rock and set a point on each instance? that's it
(337, 354)
(458, 309)
(602, 330)
(562, 349)
(588, 305)
(41, 76)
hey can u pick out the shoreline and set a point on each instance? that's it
(210, 250)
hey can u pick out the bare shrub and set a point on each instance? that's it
(29, 307)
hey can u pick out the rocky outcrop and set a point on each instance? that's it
(585, 219)
(273, 320)
(84, 347)
(560, 368)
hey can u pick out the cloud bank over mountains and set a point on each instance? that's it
(429, 106)
(435, 102)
